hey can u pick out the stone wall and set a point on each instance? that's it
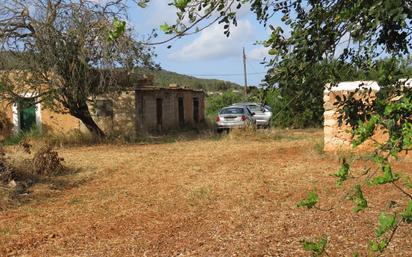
(49, 120)
(135, 111)
(124, 113)
(147, 109)
(337, 137)
(58, 122)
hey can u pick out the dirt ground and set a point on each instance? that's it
(229, 196)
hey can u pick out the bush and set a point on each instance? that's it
(18, 138)
(46, 161)
(5, 126)
(7, 172)
(217, 102)
(288, 110)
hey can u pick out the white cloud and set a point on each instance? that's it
(213, 44)
(160, 13)
(258, 53)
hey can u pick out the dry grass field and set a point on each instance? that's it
(229, 196)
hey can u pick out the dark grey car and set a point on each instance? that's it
(234, 117)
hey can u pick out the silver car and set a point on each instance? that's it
(234, 117)
(263, 113)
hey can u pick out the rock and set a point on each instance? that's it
(12, 183)
(330, 114)
(330, 122)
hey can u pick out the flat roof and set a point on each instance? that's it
(360, 84)
(167, 89)
(352, 86)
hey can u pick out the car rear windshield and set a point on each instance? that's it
(232, 111)
(255, 108)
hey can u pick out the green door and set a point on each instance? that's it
(27, 115)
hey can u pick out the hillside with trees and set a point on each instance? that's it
(164, 78)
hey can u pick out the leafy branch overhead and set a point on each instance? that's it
(359, 199)
(343, 172)
(119, 28)
(407, 213)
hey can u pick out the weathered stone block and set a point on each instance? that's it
(330, 122)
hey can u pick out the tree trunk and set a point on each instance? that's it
(84, 115)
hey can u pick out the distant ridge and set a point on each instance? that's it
(162, 78)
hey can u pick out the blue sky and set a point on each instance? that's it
(208, 52)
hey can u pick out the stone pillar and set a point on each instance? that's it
(336, 136)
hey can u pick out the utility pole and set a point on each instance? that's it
(245, 71)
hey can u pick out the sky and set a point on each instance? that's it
(209, 53)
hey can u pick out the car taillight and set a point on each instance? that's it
(217, 118)
(244, 117)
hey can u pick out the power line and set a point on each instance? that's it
(252, 65)
(228, 74)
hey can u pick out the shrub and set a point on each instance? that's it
(18, 138)
(46, 161)
(217, 102)
(7, 172)
(5, 126)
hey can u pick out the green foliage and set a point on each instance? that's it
(387, 177)
(143, 3)
(408, 183)
(407, 135)
(378, 245)
(166, 28)
(316, 248)
(284, 109)
(387, 222)
(359, 199)
(311, 200)
(407, 213)
(16, 139)
(365, 130)
(10, 61)
(217, 102)
(181, 4)
(342, 173)
(119, 28)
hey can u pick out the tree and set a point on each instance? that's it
(68, 52)
(357, 33)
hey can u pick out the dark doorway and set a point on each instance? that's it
(196, 109)
(159, 113)
(181, 112)
(27, 114)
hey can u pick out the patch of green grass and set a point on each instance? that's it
(4, 231)
(19, 137)
(75, 201)
(319, 148)
(199, 195)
